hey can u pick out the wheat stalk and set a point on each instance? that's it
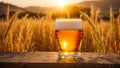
(8, 12)
(8, 29)
(97, 15)
(92, 12)
(99, 41)
(111, 15)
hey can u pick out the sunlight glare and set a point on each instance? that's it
(62, 3)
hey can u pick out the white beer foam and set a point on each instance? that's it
(64, 24)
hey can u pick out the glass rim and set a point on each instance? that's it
(71, 19)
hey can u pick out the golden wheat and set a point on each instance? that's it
(32, 34)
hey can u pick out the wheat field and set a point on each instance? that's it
(38, 34)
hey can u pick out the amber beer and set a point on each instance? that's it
(69, 34)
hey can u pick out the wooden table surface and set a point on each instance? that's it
(50, 60)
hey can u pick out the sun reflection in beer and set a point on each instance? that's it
(64, 44)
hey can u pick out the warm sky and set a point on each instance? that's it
(45, 3)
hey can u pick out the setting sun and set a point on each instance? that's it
(62, 3)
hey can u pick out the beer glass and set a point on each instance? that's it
(69, 34)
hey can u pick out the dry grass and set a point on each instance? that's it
(39, 35)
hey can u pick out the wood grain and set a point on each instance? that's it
(51, 60)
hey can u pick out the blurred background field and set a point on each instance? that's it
(28, 31)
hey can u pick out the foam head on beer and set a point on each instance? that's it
(73, 24)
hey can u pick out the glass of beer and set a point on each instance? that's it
(69, 34)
